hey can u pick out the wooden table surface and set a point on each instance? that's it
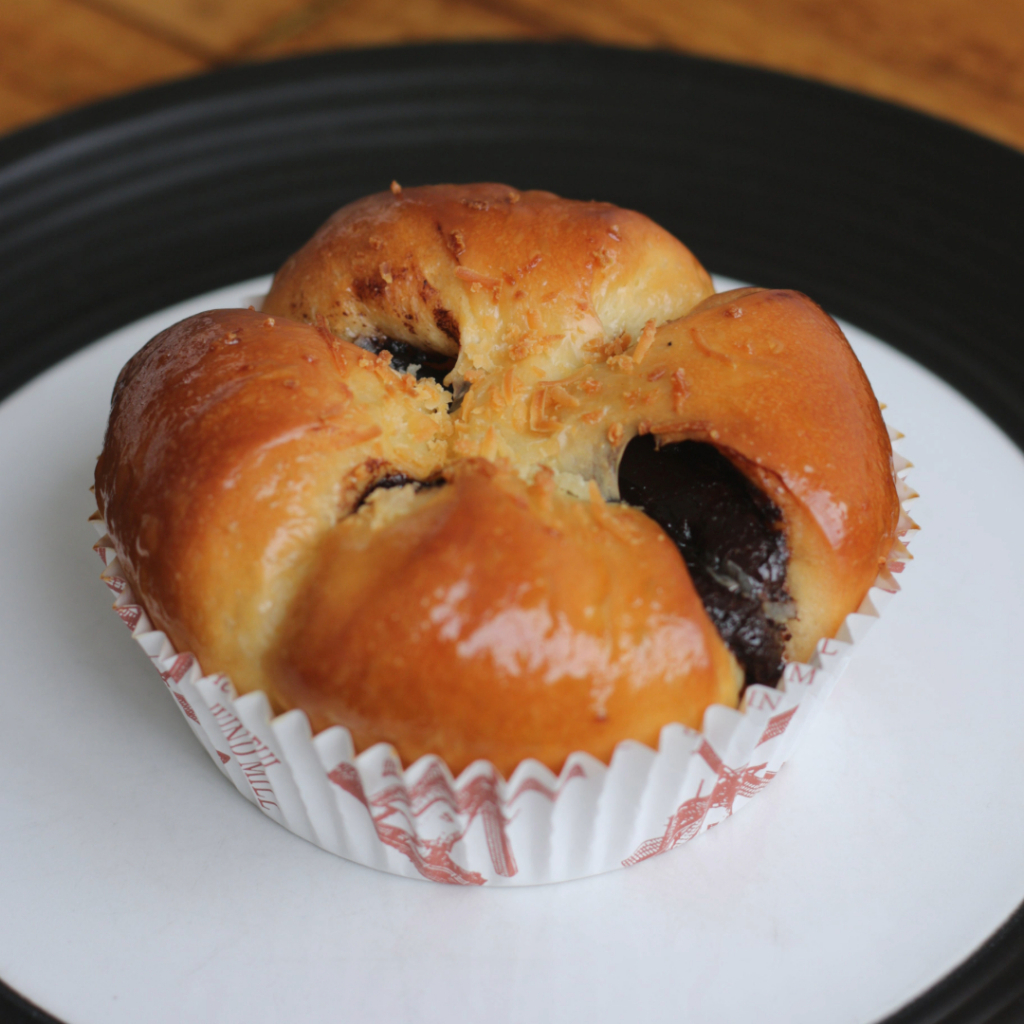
(959, 59)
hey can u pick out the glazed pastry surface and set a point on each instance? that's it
(452, 570)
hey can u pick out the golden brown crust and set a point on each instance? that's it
(505, 622)
(511, 612)
(234, 443)
(767, 378)
(490, 274)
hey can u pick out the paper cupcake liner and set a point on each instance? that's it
(479, 829)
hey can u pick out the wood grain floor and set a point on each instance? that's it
(958, 59)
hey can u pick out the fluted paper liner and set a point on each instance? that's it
(480, 829)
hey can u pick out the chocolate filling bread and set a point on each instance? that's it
(497, 475)
(730, 536)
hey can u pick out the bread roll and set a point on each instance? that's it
(455, 571)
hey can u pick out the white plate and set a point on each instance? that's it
(886, 851)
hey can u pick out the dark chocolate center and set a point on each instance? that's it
(398, 480)
(730, 536)
(404, 355)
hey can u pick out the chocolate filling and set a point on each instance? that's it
(404, 355)
(398, 480)
(730, 536)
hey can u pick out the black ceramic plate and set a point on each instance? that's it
(906, 226)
